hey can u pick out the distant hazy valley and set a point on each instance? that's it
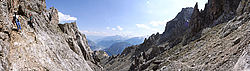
(113, 45)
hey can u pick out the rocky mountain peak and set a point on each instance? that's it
(196, 9)
(195, 23)
(184, 14)
(215, 12)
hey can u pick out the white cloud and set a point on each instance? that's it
(142, 26)
(95, 33)
(65, 18)
(158, 23)
(107, 28)
(119, 28)
(146, 27)
(113, 29)
(88, 32)
(148, 2)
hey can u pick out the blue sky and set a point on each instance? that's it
(120, 17)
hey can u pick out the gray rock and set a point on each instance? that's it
(47, 46)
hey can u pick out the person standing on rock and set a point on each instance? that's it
(17, 21)
(187, 23)
(31, 20)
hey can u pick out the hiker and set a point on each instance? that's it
(31, 21)
(187, 23)
(17, 21)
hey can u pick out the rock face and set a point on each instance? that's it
(43, 45)
(216, 39)
(175, 29)
(101, 56)
(215, 12)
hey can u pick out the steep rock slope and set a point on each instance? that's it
(46, 46)
(175, 29)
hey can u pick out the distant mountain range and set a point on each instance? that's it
(94, 46)
(117, 48)
(113, 45)
(135, 40)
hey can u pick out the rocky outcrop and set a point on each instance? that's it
(100, 56)
(43, 45)
(219, 11)
(175, 29)
(195, 21)
(215, 12)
